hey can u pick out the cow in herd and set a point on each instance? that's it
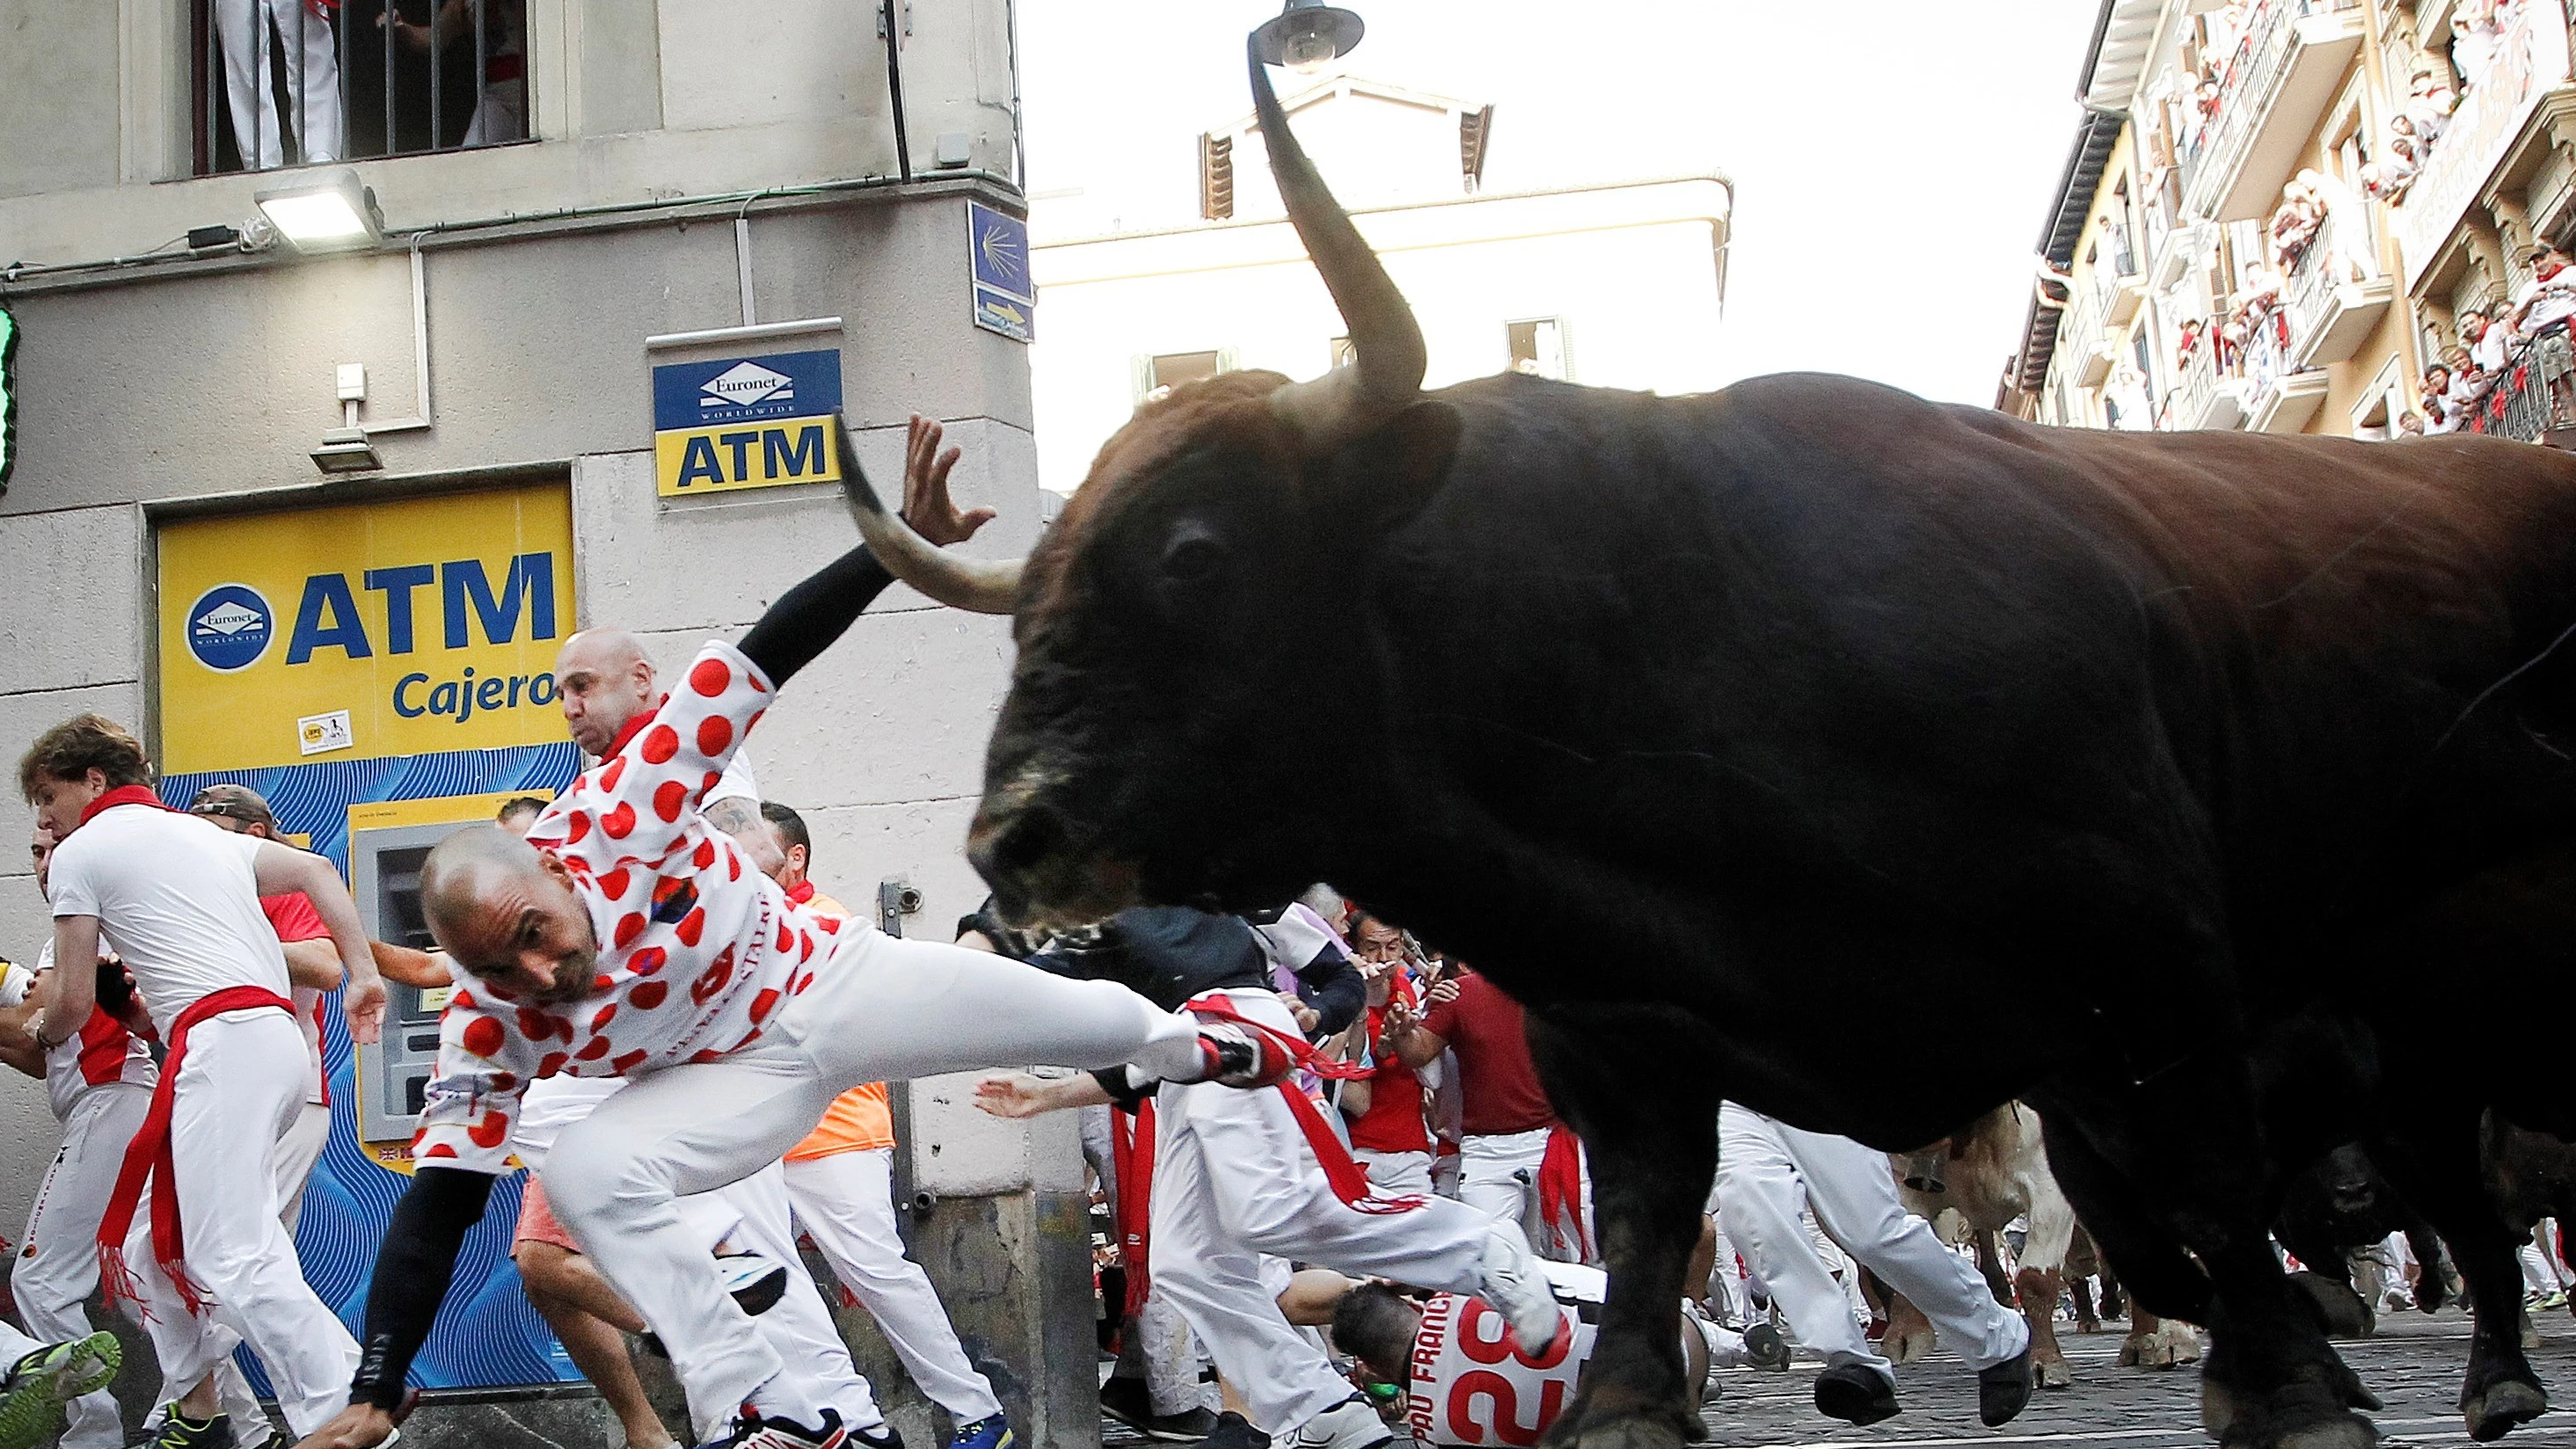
(1748, 736)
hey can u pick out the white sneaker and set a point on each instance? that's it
(1350, 1424)
(1510, 1279)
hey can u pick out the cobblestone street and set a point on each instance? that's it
(2413, 1365)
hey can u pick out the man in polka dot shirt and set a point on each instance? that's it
(626, 936)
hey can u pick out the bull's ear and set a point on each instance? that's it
(1378, 483)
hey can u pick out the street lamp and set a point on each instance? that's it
(328, 213)
(1307, 35)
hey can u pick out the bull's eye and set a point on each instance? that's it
(1193, 558)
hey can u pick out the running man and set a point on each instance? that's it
(627, 936)
(210, 1263)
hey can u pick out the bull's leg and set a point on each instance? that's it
(2043, 1259)
(1990, 1263)
(2115, 1300)
(1651, 1143)
(2434, 1165)
(2087, 1318)
(1910, 1337)
(2324, 1282)
(2188, 1147)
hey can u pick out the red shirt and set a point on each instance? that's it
(1497, 1082)
(1393, 1122)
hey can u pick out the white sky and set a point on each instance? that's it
(1893, 159)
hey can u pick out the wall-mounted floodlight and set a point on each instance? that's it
(331, 212)
(1307, 35)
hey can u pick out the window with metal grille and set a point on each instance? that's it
(1216, 177)
(294, 82)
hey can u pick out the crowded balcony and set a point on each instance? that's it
(2208, 396)
(2533, 399)
(2264, 99)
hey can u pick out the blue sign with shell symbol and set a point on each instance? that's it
(1006, 297)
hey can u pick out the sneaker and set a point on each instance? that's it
(1128, 1401)
(1235, 1057)
(883, 1436)
(38, 1385)
(1764, 1348)
(1510, 1279)
(178, 1431)
(1351, 1424)
(1855, 1393)
(2003, 1390)
(993, 1431)
(1233, 1431)
(756, 1282)
(753, 1430)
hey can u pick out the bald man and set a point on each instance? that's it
(625, 936)
(608, 691)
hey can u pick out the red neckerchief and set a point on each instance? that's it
(1348, 1180)
(1560, 1187)
(801, 892)
(123, 795)
(634, 727)
(148, 1156)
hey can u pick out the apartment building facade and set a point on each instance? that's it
(2274, 211)
(315, 516)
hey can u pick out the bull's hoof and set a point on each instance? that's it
(2504, 1405)
(2171, 1344)
(2088, 1325)
(2530, 1334)
(2337, 1309)
(1908, 1342)
(2003, 1390)
(2052, 1373)
(1857, 1394)
(1625, 1429)
(2313, 1412)
(2345, 1431)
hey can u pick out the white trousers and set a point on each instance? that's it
(756, 1213)
(882, 1009)
(1396, 1172)
(57, 1269)
(1234, 1179)
(238, 1093)
(845, 1203)
(312, 80)
(297, 1151)
(1762, 1167)
(1498, 1176)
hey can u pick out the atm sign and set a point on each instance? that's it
(746, 422)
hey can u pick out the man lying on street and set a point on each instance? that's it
(625, 936)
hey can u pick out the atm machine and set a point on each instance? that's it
(393, 1075)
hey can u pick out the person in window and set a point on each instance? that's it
(501, 112)
(303, 32)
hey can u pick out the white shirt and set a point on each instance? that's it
(2553, 300)
(101, 1054)
(177, 899)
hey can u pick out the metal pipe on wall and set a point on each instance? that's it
(891, 19)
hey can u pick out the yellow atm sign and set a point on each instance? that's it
(374, 630)
(746, 422)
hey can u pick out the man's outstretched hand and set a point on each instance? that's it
(926, 504)
(359, 1426)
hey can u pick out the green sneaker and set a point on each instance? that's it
(33, 1395)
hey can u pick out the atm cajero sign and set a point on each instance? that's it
(388, 629)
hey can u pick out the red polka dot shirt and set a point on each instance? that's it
(697, 949)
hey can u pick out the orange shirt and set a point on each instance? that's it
(860, 1119)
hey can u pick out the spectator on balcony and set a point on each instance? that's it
(304, 39)
(2439, 414)
(2541, 311)
(2468, 384)
(2193, 330)
(2295, 223)
(501, 111)
(2487, 343)
(2429, 103)
(2410, 425)
(2474, 35)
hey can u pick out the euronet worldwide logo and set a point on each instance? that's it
(746, 384)
(229, 627)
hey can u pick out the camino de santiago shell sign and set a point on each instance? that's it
(405, 628)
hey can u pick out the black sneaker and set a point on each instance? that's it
(2003, 1391)
(1855, 1393)
(1764, 1348)
(753, 1430)
(178, 1431)
(1127, 1401)
(883, 1436)
(1233, 1431)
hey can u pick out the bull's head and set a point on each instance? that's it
(1185, 627)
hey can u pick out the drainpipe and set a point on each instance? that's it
(890, 20)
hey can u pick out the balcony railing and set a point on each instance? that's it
(2535, 396)
(2117, 284)
(2253, 84)
(353, 79)
(2082, 339)
(2207, 396)
(2331, 309)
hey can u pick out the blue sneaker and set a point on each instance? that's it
(993, 1431)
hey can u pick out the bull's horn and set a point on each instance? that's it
(1385, 374)
(979, 586)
